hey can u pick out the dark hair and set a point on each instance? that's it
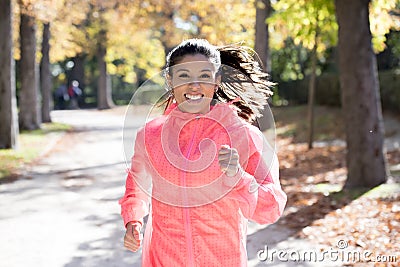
(242, 75)
(192, 47)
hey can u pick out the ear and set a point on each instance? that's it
(168, 80)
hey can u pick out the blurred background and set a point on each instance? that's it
(127, 41)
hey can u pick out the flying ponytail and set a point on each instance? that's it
(243, 77)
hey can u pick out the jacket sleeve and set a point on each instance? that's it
(135, 202)
(258, 191)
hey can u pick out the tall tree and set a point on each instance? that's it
(360, 96)
(261, 45)
(45, 75)
(8, 104)
(104, 100)
(312, 24)
(45, 11)
(78, 71)
(29, 109)
(311, 91)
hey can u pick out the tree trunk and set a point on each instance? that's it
(45, 75)
(311, 91)
(8, 103)
(263, 9)
(104, 98)
(29, 111)
(361, 104)
(78, 71)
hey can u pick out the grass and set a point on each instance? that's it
(381, 191)
(31, 145)
(384, 191)
(292, 122)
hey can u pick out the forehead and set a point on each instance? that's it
(195, 62)
(193, 58)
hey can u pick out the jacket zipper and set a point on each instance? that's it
(186, 211)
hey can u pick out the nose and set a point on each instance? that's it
(194, 85)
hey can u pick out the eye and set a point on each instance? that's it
(183, 75)
(205, 76)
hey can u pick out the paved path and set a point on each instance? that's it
(65, 211)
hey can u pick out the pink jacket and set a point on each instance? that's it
(195, 219)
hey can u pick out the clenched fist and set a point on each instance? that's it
(133, 238)
(228, 160)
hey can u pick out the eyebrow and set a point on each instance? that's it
(203, 70)
(182, 70)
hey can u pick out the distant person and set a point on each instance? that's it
(74, 92)
(203, 167)
(61, 96)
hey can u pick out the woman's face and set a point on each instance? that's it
(194, 81)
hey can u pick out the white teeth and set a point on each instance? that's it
(193, 97)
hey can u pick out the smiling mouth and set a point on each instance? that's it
(195, 97)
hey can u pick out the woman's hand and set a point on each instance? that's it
(228, 160)
(133, 238)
